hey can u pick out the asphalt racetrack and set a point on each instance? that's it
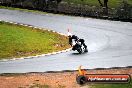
(109, 43)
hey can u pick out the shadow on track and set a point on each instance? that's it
(79, 53)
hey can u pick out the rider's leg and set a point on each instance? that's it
(86, 50)
(82, 43)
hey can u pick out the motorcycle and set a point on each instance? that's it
(77, 46)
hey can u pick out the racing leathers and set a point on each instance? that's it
(76, 39)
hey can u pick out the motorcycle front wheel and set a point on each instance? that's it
(79, 50)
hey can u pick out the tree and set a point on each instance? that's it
(100, 3)
(105, 3)
(58, 1)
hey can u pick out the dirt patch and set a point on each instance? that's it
(51, 80)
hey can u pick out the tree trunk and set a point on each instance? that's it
(100, 3)
(106, 3)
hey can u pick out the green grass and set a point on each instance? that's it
(125, 85)
(111, 3)
(17, 41)
(39, 86)
(36, 85)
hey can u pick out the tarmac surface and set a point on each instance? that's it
(109, 43)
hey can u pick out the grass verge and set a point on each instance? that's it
(18, 41)
(39, 86)
(25, 10)
(125, 85)
(35, 85)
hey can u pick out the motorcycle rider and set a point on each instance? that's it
(76, 39)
